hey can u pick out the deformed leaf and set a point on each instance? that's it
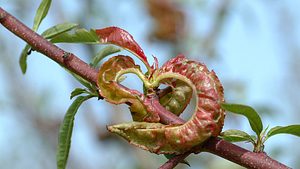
(113, 92)
(58, 29)
(176, 100)
(65, 132)
(79, 36)
(41, 13)
(236, 136)
(77, 92)
(291, 129)
(103, 53)
(120, 37)
(252, 116)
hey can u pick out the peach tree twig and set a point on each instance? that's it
(71, 62)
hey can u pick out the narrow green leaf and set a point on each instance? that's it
(23, 58)
(65, 132)
(77, 92)
(84, 82)
(79, 36)
(247, 111)
(41, 14)
(291, 129)
(58, 29)
(236, 136)
(103, 53)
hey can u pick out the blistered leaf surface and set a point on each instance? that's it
(112, 91)
(120, 37)
(206, 121)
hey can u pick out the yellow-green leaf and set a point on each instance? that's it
(41, 14)
(103, 53)
(291, 129)
(58, 29)
(79, 36)
(236, 136)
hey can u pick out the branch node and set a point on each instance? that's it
(66, 55)
(2, 15)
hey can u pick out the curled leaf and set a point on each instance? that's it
(178, 98)
(109, 76)
(120, 37)
(206, 121)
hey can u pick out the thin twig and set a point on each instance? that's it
(215, 146)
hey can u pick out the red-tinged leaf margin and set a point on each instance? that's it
(120, 37)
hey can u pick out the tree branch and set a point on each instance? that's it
(215, 146)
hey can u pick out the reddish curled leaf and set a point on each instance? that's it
(112, 91)
(178, 98)
(122, 38)
(206, 121)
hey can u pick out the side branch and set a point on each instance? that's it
(215, 146)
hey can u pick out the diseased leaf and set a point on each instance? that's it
(58, 29)
(23, 59)
(77, 92)
(41, 13)
(65, 132)
(103, 53)
(252, 116)
(79, 36)
(113, 92)
(236, 136)
(178, 98)
(120, 37)
(291, 129)
(206, 121)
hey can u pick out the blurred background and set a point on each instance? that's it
(252, 45)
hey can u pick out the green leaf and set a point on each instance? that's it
(23, 59)
(79, 36)
(41, 14)
(247, 111)
(236, 136)
(84, 82)
(77, 92)
(291, 129)
(65, 132)
(58, 29)
(103, 53)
